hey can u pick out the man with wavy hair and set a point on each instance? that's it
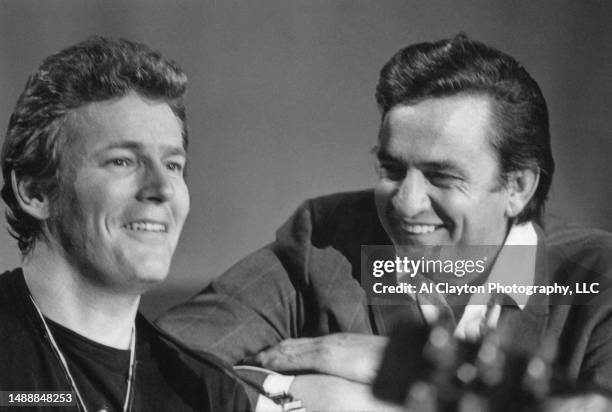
(93, 165)
(463, 159)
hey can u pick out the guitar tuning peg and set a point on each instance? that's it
(537, 378)
(472, 402)
(490, 360)
(422, 397)
(439, 349)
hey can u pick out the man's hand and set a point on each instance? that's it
(351, 356)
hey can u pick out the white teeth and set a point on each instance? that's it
(420, 229)
(146, 227)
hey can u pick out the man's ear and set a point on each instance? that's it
(520, 185)
(29, 197)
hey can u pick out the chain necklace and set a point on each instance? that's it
(62, 360)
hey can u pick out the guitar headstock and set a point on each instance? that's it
(428, 369)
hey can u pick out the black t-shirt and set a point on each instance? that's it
(169, 377)
(100, 371)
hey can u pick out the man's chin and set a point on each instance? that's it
(148, 274)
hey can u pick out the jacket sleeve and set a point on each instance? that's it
(253, 305)
(596, 366)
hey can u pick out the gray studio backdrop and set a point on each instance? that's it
(281, 108)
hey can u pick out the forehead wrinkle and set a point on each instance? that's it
(96, 120)
(479, 106)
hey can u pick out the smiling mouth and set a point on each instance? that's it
(146, 227)
(419, 229)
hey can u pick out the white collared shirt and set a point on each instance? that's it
(512, 266)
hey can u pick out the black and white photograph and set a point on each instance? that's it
(322, 205)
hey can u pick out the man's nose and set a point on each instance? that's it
(156, 184)
(412, 197)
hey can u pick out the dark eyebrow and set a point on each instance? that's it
(442, 164)
(121, 145)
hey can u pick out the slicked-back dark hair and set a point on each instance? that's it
(94, 70)
(464, 66)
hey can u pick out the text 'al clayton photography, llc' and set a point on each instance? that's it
(482, 272)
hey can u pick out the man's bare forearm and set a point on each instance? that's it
(351, 356)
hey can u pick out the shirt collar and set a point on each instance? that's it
(515, 263)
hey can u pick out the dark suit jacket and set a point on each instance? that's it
(306, 283)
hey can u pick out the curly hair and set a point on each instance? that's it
(94, 70)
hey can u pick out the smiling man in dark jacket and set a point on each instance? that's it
(464, 159)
